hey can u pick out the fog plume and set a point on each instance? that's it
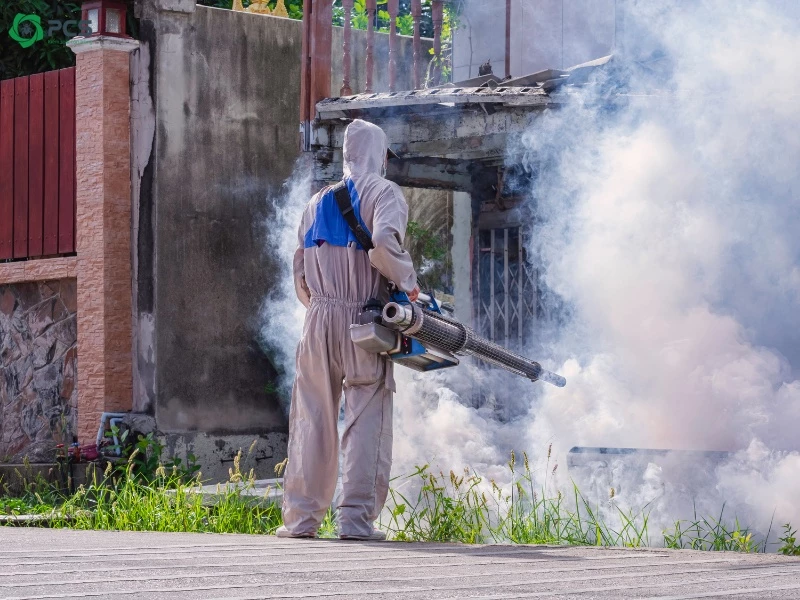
(667, 228)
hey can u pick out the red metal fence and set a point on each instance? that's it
(315, 77)
(392, 8)
(37, 165)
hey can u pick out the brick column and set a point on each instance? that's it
(102, 90)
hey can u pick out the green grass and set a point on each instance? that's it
(463, 508)
(424, 506)
(456, 508)
(121, 500)
(24, 506)
(706, 533)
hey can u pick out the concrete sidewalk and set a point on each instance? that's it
(43, 563)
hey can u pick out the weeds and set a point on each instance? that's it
(463, 509)
(29, 494)
(456, 509)
(424, 506)
(446, 509)
(703, 533)
(539, 516)
(789, 546)
(24, 506)
(143, 457)
(121, 500)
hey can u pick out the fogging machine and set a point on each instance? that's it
(419, 336)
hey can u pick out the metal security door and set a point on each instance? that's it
(506, 287)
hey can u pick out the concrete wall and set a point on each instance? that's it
(215, 135)
(544, 34)
(218, 101)
(38, 369)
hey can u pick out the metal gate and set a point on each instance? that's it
(506, 287)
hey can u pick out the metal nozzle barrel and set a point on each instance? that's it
(398, 315)
(438, 331)
(552, 378)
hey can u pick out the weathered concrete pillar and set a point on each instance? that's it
(102, 90)
(462, 257)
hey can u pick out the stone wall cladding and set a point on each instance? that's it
(38, 368)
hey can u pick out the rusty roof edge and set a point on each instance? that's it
(437, 94)
(519, 95)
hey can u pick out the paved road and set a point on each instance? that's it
(42, 563)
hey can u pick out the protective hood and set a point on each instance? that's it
(365, 147)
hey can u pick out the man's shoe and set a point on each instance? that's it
(376, 536)
(282, 532)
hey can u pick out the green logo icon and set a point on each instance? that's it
(27, 30)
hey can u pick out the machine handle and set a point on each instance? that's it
(426, 300)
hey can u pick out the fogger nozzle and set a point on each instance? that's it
(552, 378)
(398, 315)
(436, 330)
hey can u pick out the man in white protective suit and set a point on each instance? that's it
(334, 277)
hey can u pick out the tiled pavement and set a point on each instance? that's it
(44, 563)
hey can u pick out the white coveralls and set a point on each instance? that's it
(333, 282)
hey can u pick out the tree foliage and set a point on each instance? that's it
(45, 55)
(49, 53)
(405, 22)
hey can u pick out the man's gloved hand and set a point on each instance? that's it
(412, 295)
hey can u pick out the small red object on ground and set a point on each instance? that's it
(90, 452)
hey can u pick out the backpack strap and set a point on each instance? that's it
(345, 204)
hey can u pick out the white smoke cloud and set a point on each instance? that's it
(669, 230)
(282, 314)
